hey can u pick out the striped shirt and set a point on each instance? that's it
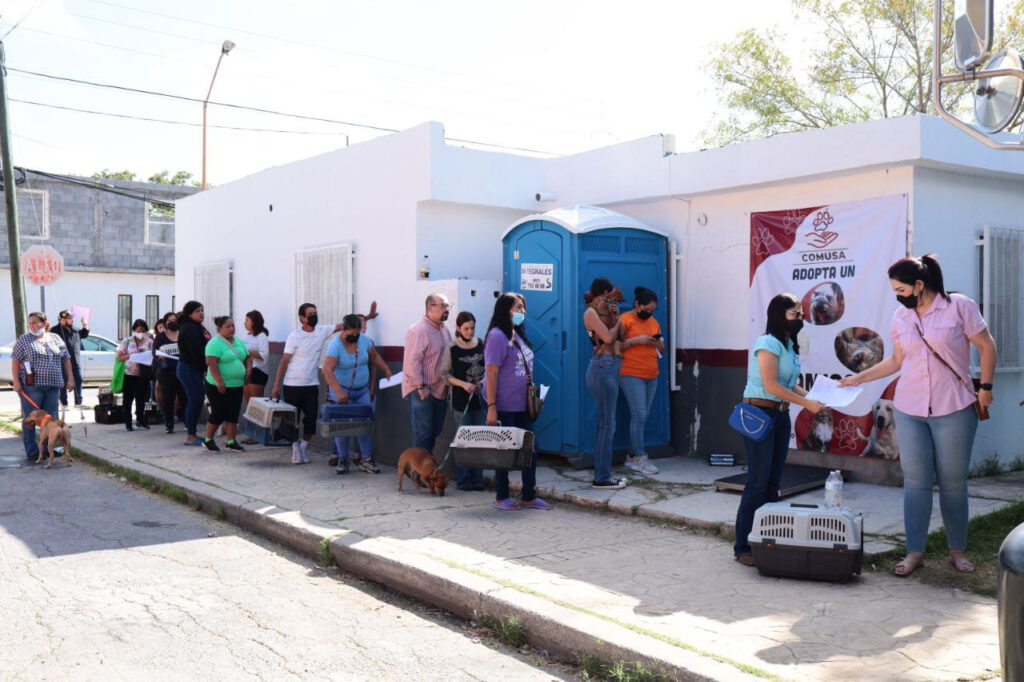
(425, 345)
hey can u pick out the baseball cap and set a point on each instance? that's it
(63, 314)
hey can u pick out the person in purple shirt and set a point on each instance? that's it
(935, 416)
(508, 355)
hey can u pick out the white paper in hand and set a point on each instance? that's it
(828, 391)
(544, 391)
(142, 358)
(395, 380)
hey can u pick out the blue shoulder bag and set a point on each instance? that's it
(751, 421)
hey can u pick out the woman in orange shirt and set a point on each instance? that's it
(639, 373)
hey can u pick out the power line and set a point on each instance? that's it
(24, 17)
(261, 110)
(101, 187)
(162, 120)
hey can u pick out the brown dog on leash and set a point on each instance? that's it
(419, 465)
(51, 430)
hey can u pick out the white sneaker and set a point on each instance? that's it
(641, 464)
(296, 453)
(303, 455)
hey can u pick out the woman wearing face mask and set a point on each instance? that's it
(192, 340)
(603, 377)
(39, 363)
(772, 373)
(463, 368)
(350, 355)
(136, 376)
(508, 362)
(171, 390)
(638, 379)
(935, 416)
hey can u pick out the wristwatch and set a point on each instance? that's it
(985, 387)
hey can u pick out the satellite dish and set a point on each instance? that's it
(997, 100)
(972, 32)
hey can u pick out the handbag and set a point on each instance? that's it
(534, 404)
(117, 379)
(751, 421)
(981, 410)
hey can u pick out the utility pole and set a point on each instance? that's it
(10, 199)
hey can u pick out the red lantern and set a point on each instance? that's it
(42, 265)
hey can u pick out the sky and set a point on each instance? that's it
(552, 76)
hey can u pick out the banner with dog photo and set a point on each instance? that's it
(834, 258)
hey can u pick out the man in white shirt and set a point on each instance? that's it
(299, 374)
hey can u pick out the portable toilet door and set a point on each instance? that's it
(538, 263)
(551, 259)
(629, 257)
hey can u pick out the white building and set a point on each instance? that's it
(286, 234)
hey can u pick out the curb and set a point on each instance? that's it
(564, 631)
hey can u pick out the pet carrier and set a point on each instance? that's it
(344, 420)
(493, 447)
(807, 541)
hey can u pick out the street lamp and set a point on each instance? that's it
(226, 47)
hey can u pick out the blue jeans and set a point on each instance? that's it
(76, 372)
(519, 420)
(195, 393)
(46, 398)
(603, 383)
(765, 461)
(639, 396)
(427, 419)
(358, 396)
(469, 477)
(933, 447)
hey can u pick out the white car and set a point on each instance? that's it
(98, 355)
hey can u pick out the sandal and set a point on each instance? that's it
(508, 504)
(536, 503)
(961, 564)
(907, 566)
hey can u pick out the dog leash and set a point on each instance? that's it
(449, 453)
(31, 402)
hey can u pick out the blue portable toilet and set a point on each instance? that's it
(552, 258)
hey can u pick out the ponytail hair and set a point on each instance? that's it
(644, 296)
(926, 269)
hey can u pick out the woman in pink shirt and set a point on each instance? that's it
(935, 417)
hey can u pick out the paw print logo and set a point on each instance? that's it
(791, 221)
(822, 236)
(764, 241)
(846, 434)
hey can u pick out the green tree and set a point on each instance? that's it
(871, 59)
(107, 174)
(165, 178)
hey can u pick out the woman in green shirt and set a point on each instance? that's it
(228, 365)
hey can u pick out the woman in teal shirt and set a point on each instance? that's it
(772, 373)
(228, 364)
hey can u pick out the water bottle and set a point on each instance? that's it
(834, 490)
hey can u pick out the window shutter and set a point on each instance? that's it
(213, 288)
(1003, 293)
(323, 277)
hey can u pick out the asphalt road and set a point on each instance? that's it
(102, 580)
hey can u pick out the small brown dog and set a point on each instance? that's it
(51, 430)
(419, 465)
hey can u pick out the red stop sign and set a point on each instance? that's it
(42, 265)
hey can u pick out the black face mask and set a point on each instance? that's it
(351, 339)
(172, 326)
(644, 314)
(311, 320)
(794, 326)
(908, 301)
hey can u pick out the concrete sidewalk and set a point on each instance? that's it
(617, 585)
